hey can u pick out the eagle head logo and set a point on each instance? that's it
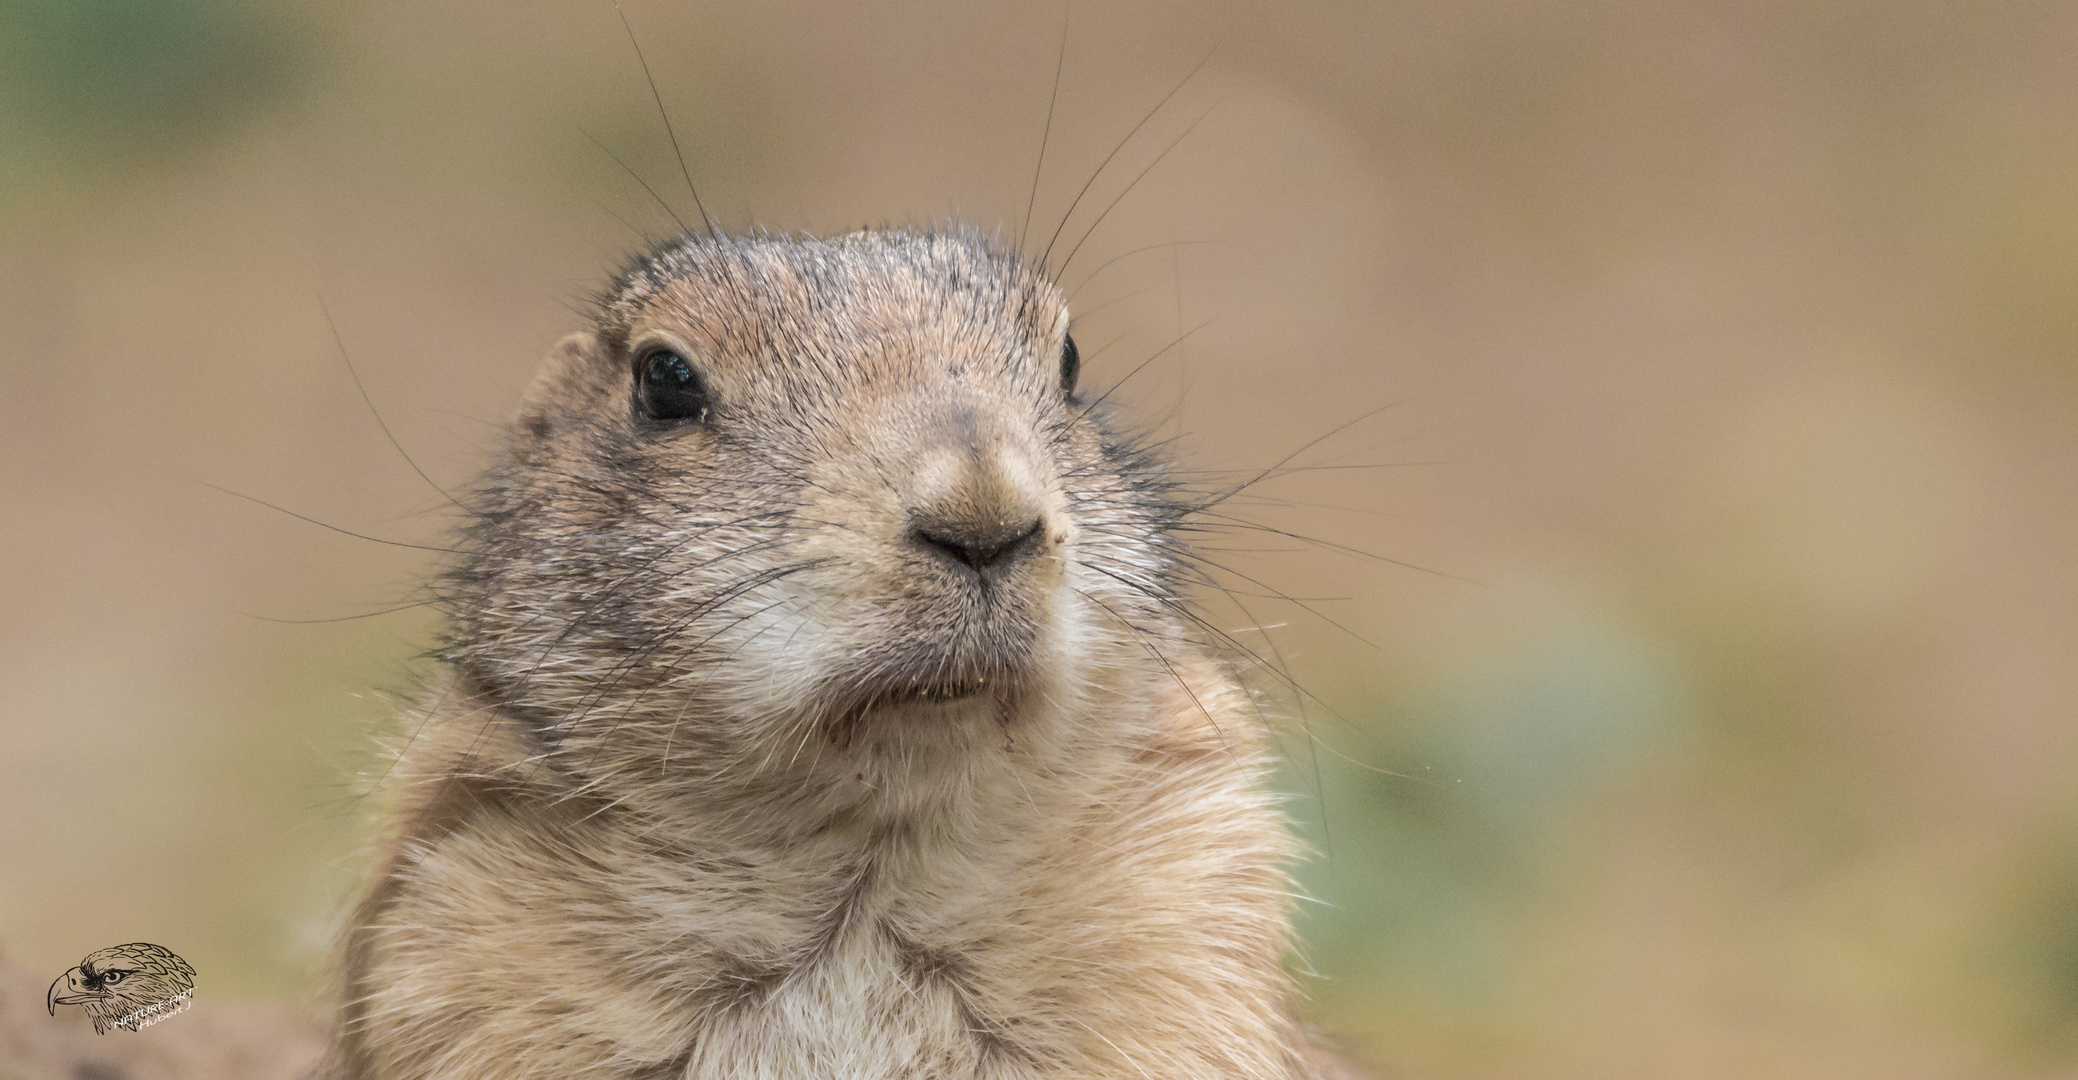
(126, 986)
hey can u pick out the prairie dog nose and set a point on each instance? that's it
(982, 545)
(978, 504)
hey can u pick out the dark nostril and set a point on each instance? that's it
(981, 546)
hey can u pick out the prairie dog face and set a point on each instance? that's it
(812, 505)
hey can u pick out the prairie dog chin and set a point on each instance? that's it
(820, 703)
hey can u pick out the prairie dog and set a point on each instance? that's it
(820, 702)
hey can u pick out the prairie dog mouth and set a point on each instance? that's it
(933, 692)
(996, 691)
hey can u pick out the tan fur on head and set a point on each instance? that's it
(835, 719)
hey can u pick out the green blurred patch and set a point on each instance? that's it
(112, 85)
(1429, 871)
(2036, 947)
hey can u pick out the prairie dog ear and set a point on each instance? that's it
(560, 383)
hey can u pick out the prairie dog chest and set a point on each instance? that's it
(869, 1005)
(819, 965)
(703, 965)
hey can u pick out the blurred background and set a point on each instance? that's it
(1710, 708)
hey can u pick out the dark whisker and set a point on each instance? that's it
(1046, 134)
(1329, 545)
(1185, 81)
(665, 636)
(334, 528)
(1120, 299)
(637, 177)
(377, 413)
(1092, 230)
(1320, 793)
(345, 618)
(1143, 364)
(1141, 639)
(1281, 595)
(1073, 293)
(666, 115)
(1310, 444)
(625, 223)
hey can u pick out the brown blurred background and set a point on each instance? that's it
(1723, 723)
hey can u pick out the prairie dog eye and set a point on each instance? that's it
(1071, 365)
(668, 387)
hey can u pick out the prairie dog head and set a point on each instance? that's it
(813, 512)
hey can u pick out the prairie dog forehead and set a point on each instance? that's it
(868, 309)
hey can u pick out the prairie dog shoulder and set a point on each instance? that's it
(820, 703)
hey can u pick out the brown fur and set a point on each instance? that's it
(731, 774)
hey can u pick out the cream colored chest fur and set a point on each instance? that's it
(1122, 921)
